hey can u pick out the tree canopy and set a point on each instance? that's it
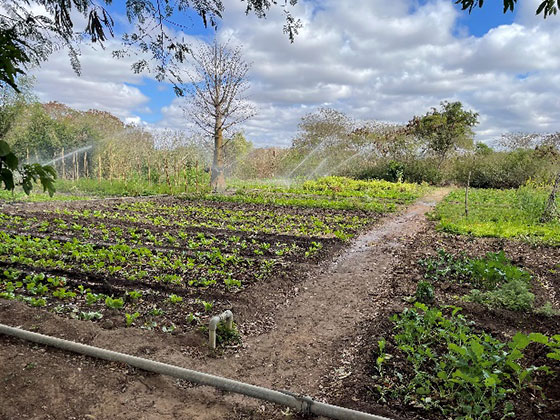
(546, 7)
(27, 37)
(445, 130)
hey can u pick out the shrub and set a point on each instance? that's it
(412, 170)
(502, 169)
(451, 368)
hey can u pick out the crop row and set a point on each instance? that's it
(203, 268)
(342, 226)
(145, 308)
(74, 227)
(329, 193)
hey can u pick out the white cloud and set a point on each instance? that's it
(371, 59)
(391, 60)
(103, 83)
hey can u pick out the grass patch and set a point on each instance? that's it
(499, 213)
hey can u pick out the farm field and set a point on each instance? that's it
(167, 263)
(429, 323)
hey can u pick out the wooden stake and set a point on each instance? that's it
(77, 166)
(196, 176)
(86, 171)
(467, 196)
(62, 159)
(99, 168)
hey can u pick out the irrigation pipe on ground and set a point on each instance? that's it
(300, 403)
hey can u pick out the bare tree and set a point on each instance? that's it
(217, 103)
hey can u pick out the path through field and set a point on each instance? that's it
(297, 354)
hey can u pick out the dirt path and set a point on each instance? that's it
(296, 355)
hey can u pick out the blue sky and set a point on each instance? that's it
(373, 60)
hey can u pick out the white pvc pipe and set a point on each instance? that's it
(299, 403)
(213, 325)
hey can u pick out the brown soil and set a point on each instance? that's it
(312, 335)
(355, 388)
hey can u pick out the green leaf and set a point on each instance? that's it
(519, 341)
(491, 381)
(7, 178)
(4, 148)
(11, 161)
(538, 338)
(460, 350)
(476, 348)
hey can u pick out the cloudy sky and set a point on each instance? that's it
(373, 60)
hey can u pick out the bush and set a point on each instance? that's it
(442, 363)
(502, 169)
(413, 170)
(514, 295)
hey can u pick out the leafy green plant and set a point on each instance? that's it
(175, 299)
(206, 305)
(424, 292)
(547, 310)
(89, 316)
(227, 336)
(134, 294)
(130, 318)
(114, 303)
(513, 295)
(455, 369)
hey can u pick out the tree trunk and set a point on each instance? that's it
(217, 177)
(551, 209)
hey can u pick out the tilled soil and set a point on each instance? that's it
(351, 384)
(304, 341)
(252, 304)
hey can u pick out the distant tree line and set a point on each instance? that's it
(437, 147)
(95, 144)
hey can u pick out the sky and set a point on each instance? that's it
(372, 60)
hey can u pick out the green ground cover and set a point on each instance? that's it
(328, 192)
(499, 213)
(442, 362)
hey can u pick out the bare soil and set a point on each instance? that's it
(312, 335)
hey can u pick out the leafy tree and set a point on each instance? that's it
(11, 173)
(28, 174)
(445, 130)
(546, 7)
(216, 102)
(27, 38)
